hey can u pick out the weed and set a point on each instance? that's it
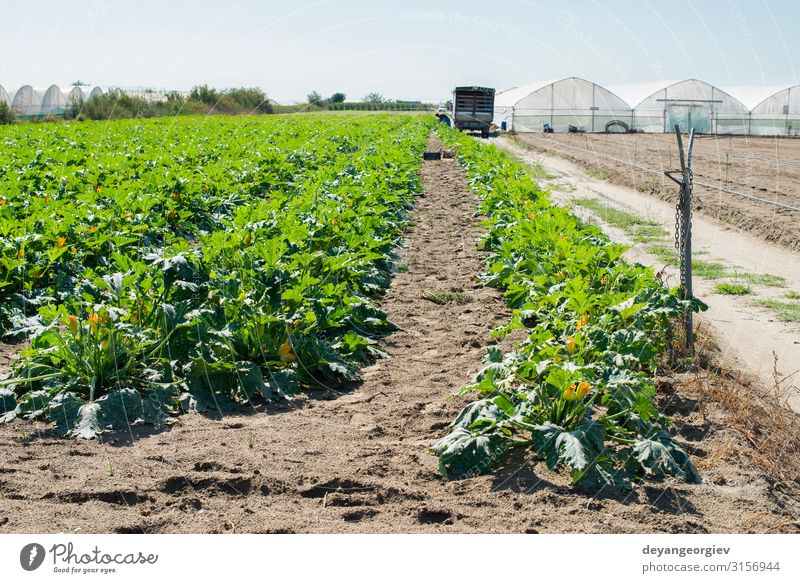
(786, 311)
(730, 288)
(443, 297)
(597, 173)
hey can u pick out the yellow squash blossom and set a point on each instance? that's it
(285, 352)
(93, 320)
(21, 253)
(583, 321)
(569, 393)
(72, 322)
(570, 344)
(583, 388)
(60, 241)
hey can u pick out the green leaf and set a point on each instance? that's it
(8, 405)
(462, 454)
(63, 410)
(661, 455)
(88, 424)
(119, 409)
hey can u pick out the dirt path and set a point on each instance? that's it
(357, 462)
(747, 334)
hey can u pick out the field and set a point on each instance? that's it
(257, 325)
(765, 168)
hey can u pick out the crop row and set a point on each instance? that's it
(579, 389)
(195, 264)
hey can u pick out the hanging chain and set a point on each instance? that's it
(681, 234)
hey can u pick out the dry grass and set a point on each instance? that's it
(759, 414)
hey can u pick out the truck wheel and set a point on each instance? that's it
(484, 134)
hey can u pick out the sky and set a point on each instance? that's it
(406, 49)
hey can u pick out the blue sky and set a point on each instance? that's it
(406, 49)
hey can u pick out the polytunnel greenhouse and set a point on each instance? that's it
(4, 96)
(26, 101)
(778, 114)
(560, 104)
(692, 103)
(53, 102)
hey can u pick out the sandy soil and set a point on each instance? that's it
(358, 461)
(767, 168)
(750, 336)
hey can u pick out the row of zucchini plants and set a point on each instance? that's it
(579, 389)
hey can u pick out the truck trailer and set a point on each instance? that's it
(473, 109)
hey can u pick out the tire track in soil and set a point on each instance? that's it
(358, 461)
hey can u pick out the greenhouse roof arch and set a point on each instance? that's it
(692, 103)
(53, 101)
(26, 101)
(571, 101)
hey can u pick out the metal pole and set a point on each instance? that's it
(687, 233)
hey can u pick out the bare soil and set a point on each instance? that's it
(357, 461)
(767, 168)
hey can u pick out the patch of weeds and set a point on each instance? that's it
(443, 297)
(401, 267)
(793, 295)
(711, 270)
(561, 187)
(730, 288)
(597, 173)
(614, 216)
(786, 311)
(665, 254)
(765, 279)
(648, 233)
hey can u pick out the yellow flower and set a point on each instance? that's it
(104, 344)
(560, 276)
(93, 229)
(93, 320)
(72, 322)
(98, 189)
(569, 393)
(3, 202)
(285, 352)
(60, 241)
(73, 249)
(583, 388)
(21, 253)
(583, 321)
(570, 344)
(532, 216)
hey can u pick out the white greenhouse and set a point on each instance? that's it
(560, 104)
(4, 98)
(26, 101)
(53, 102)
(692, 103)
(778, 114)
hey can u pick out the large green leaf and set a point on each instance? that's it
(463, 454)
(661, 455)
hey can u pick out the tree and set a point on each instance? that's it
(314, 98)
(374, 98)
(337, 97)
(6, 115)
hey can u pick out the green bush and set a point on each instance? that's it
(6, 115)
